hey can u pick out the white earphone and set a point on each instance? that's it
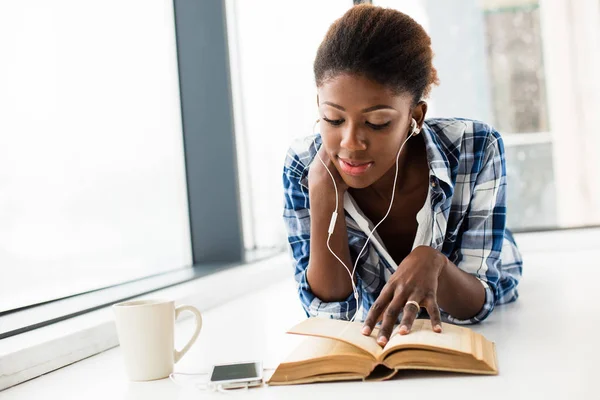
(414, 127)
(415, 130)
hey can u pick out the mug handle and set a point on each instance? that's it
(198, 320)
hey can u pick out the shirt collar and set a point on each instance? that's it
(312, 155)
(440, 165)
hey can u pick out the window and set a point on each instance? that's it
(517, 80)
(272, 49)
(516, 68)
(92, 181)
(103, 177)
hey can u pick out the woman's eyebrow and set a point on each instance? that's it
(366, 110)
(378, 107)
(334, 105)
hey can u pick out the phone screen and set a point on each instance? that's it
(235, 371)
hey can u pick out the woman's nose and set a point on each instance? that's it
(352, 139)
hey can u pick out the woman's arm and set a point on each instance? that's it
(465, 290)
(460, 294)
(307, 224)
(328, 278)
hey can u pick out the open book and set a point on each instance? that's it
(336, 350)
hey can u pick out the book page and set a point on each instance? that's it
(453, 338)
(348, 332)
(314, 347)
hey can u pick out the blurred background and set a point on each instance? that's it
(94, 189)
(521, 65)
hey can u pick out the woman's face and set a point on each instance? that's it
(363, 124)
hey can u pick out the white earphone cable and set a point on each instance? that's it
(335, 214)
(332, 225)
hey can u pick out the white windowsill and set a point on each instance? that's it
(35, 353)
(31, 354)
(539, 357)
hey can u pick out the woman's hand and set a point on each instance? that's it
(318, 177)
(415, 279)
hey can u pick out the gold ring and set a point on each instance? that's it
(414, 303)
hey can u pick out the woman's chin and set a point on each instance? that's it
(357, 182)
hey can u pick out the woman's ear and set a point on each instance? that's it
(419, 113)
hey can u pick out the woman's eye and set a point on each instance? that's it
(334, 122)
(377, 126)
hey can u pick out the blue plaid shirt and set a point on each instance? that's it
(467, 200)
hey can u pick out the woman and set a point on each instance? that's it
(438, 186)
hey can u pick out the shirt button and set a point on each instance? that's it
(433, 184)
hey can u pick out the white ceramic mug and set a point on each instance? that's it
(146, 334)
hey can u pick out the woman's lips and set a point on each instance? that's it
(354, 168)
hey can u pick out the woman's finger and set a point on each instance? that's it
(390, 316)
(410, 313)
(376, 310)
(433, 310)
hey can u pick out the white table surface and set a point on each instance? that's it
(547, 345)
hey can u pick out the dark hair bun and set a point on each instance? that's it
(381, 44)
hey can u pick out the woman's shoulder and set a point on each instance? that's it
(302, 151)
(463, 133)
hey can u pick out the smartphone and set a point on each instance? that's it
(237, 375)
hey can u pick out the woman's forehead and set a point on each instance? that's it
(357, 92)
